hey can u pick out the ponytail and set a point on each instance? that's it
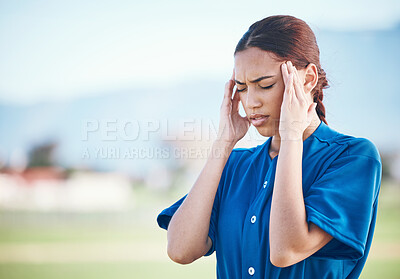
(319, 94)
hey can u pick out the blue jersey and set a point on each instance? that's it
(341, 182)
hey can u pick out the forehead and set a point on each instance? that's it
(253, 62)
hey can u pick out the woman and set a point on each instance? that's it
(301, 205)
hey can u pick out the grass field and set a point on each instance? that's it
(34, 245)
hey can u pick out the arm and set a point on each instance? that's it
(188, 229)
(291, 238)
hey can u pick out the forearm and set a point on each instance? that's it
(288, 226)
(188, 228)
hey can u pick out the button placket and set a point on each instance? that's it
(251, 230)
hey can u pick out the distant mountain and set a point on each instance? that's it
(363, 100)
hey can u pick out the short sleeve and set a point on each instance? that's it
(343, 203)
(165, 216)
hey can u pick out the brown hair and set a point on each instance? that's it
(289, 38)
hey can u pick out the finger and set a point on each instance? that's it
(288, 93)
(285, 73)
(235, 101)
(298, 80)
(291, 88)
(289, 66)
(233, 75)
(300, 83)
(229, 89)
(297, 86)
(226, 104)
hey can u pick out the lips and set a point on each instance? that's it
(258, 119)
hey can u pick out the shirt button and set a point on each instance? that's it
(251, 270)
(253, 219)
(265, 183)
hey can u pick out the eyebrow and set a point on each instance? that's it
(254, 81)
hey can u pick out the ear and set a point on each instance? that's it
(310, 77)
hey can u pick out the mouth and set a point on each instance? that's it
(258, 119)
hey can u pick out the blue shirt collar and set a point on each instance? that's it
(323, 133)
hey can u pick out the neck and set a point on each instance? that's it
(276, 139)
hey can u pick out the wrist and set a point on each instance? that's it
(222, 148)
(291, 145)
(290, 136)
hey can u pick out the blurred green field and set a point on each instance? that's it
(43, 245)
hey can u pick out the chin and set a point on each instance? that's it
(266, 131)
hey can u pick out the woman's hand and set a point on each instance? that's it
(296, 109)
(232, 126)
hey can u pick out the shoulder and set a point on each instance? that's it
(357, 147)
(347, 145)
(342, 160)
(363, 147)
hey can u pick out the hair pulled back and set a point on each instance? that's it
(289, 38)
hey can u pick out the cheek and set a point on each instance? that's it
(242, 99)
(275, 101)
(242, 104)
(278, 94)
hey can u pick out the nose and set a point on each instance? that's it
(252, 99)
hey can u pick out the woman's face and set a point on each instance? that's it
(260, 86)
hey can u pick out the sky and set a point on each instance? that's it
(56, 50)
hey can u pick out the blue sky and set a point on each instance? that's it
(68, 49)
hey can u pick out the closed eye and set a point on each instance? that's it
(267, 87)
